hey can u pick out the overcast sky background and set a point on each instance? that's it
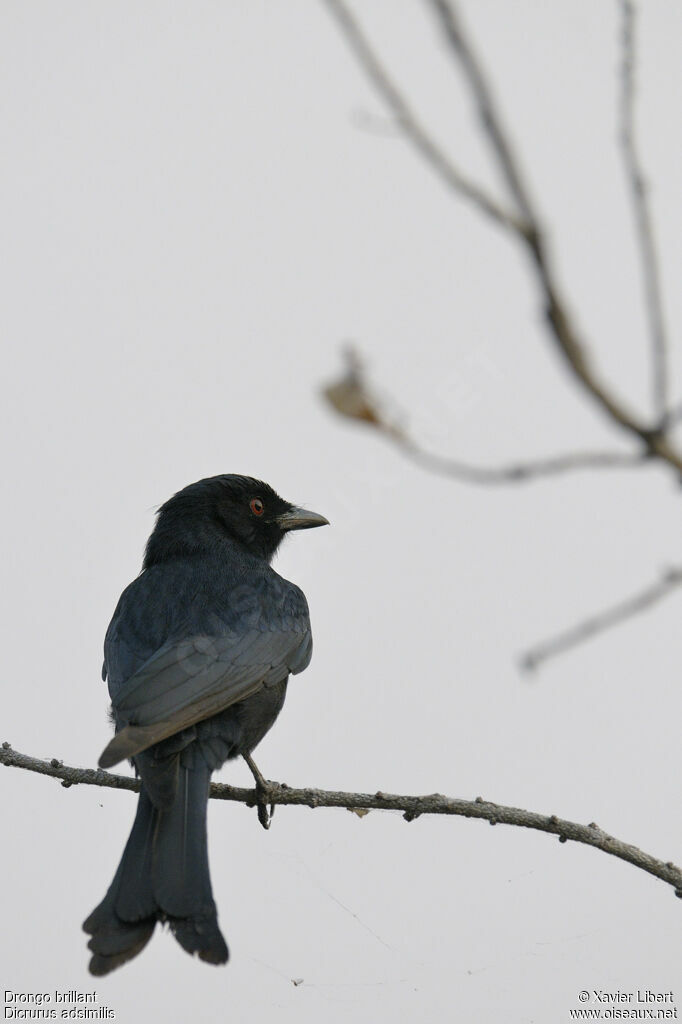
(194, 218)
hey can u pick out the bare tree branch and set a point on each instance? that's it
(411, 806)
(563, 329)
(653, 435)
(517, 472)
(528, 229)
(670, 580)
(352, 397)
(488, 114)
(412, 126)
(642, 214)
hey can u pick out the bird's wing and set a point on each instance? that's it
(188, 680)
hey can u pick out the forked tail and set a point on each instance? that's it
(163, 876)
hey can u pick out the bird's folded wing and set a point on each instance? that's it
(192, 679)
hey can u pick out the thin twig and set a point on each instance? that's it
(527, 227)
(563, 329)
(412, 126)
(488, 114)
(411, 807)
(670, 580)
(642, 214)
(519, 472)
(351, 396)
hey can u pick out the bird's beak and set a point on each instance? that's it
(300, 519)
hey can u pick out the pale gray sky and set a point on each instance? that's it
(193, 221)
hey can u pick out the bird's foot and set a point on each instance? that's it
(262, 788)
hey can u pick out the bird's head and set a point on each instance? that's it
(246, 510)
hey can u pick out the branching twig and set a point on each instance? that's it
(518, 472)
(614, 616)
(560, 322)
(351, 396)
(411, 807)
(527, 228)
(489, 116)
(412, 126)
(642, 214)
(654, 436)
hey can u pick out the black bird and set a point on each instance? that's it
(197, 658)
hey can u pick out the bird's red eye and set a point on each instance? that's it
(257, 507)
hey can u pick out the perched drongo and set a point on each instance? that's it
(197, 658)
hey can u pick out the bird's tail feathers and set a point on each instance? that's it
(163, 876)
(123, 923)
